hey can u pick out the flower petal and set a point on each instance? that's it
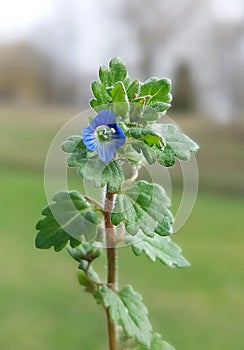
(104, 117)
(106, 151)
(89, 138)
(118, 137)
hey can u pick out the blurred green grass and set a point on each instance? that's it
(41, 304)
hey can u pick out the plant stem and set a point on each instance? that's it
(111, 264)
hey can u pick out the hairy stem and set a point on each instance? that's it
(111, 264)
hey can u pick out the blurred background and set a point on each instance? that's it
(50, 51)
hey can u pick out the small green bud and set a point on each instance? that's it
(84, 281)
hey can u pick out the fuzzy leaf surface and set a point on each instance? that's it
(141, 206)
(161, 248)
(103, 173)
(119, 99)
(148, 136)
(93, 169)
(181, 144)
(157, 343)
(69, 212)
(158, 89)
(127, 309)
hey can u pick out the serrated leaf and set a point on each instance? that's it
(160, 106)
(100, 92)
(93, 169)
(117, 70)
(161, 248)
(148, 136)
(127, 309)
(150, 115)
(97, 106)
(141, 206)
(68, 213)
(157, 343)
(103, 173)
(78, 150)
(119, 99)
(131, 154)
(167, 157)
(165, 226)
(105, 76)
(149, 153)
(181, 144)
(133, 89)
(152, 154)
(136, 108)
(158, 89)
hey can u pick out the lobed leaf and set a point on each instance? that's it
(100, 92)
(103, 173)
(119, 99)
(148, 136)
(133, 90)
(78, 151)
(158, 89)
(161, 248)
(93, 169)
(181, 144)
(142, 206)
(118, 70)
(157, 343)
(127, 309)
(69, 213)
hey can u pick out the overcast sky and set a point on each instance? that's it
(22, 19)
(17, 18)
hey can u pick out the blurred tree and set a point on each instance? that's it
(27, 75)
(183, 89)
(155, 23)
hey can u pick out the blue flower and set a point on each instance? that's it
(104, 135)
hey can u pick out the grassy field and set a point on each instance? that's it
(41, 304)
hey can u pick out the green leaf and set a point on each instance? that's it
(127, 309)
(119, 99)
(157, 343)
(181, 144)
(136, 109)
(161, 248)
(165, 226)
(78, 150)
(103, 173)
(152, 154)
(133, 89)
(93, 169)
(150, 115)
(131, 154)
(105, 76)
(167, 157)
(160, 106)
(100, 93)
(69, 213)
(148, 136)
(158, 89)
(141, 206)
(149, 153)
(97, 106)
(85, 251)
(117, 70)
